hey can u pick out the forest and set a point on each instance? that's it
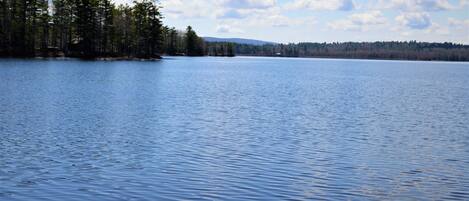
(91, 29)
(393, 50)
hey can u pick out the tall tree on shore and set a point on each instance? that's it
(4, 26)
(194, 44)
(63, 19)
(43, 25)
(124, 34)
(148, 27)
(105, 26)
(19, 27)
(86, 27)
(172, 41)
(156, 25)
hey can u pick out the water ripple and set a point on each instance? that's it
(233, 129)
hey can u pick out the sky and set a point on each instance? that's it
(288, 21)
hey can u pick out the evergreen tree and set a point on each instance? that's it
(63, 19)
(124, 34)
(4, 26)
(106, 26)
(173, 38)
(43, 25)
(18, 27)
(194, 44)
(155, 26)
(86, 27)
(148, 28)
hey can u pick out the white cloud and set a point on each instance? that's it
(454, 30)
(231, 13)
(267, 18)
(438, 29)
(417, 5)
(463, 3)
(279, 20)
(343, 5)
(460, 24)
(256, 14)
(414, 20)
(276, 20)
(359, 21)
(224, 28)
(239, 9)
(122, 1)
(459, 27)
(187, 8)
(248, 4)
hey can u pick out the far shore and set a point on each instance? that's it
(162, 57)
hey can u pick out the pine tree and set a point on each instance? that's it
(4, 27)
(173, 37)
(43, 25)
(124, 30)
(105, 26)
(63, 18)
(155, 26)
(86, 27)
(194, 44)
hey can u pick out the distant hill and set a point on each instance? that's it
(238, 41)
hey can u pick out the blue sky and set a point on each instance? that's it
(323, 20)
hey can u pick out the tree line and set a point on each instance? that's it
(90, 29)
(411, 50)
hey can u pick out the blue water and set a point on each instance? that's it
(233, 129)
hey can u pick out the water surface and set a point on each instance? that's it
(233, 129)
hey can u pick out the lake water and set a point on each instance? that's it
(233, 129)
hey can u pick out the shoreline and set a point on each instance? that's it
(355, 58)
(159, 58)
(88, 59)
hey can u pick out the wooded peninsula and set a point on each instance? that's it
(93, 29)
